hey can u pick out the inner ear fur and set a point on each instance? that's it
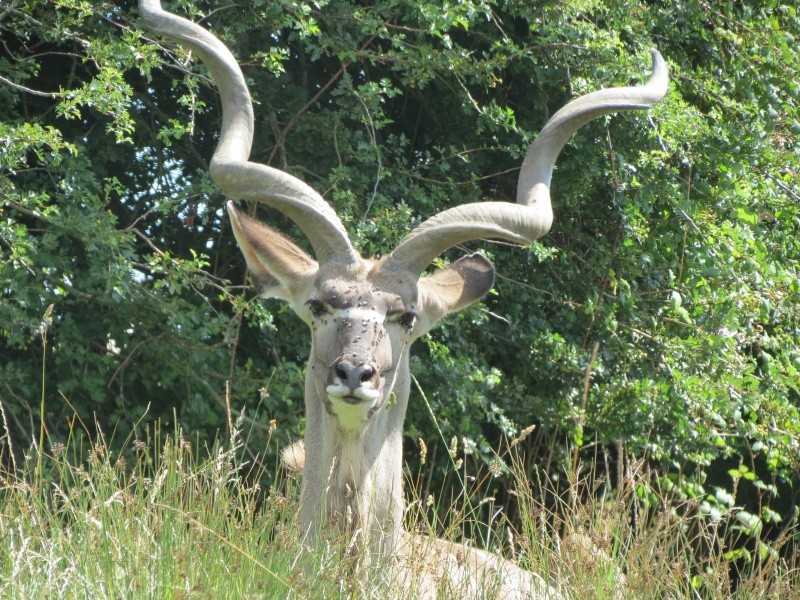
(276, 263)
(456, 286)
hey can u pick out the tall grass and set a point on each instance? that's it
(171, 521)
(160, 517)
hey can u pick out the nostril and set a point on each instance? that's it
(341, 372)
(366, 374)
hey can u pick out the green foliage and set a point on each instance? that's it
(674, 249)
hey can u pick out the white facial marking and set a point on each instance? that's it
(363, 314)
(362, 393)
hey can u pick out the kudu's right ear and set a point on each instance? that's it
(277, 265)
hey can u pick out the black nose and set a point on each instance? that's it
(353, 374)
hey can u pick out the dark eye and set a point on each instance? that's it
(316, 307)
(407, 320)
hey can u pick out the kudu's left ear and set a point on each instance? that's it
(277, 265)
(456, 286)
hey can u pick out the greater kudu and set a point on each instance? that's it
(365, 313)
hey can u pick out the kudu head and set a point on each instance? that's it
(364, 313)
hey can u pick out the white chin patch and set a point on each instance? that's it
(350, 415)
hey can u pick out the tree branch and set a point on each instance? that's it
(28, 90)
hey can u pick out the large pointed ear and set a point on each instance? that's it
(277, 265)
(454, 287)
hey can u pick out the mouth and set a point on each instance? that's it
(342, 393)
(353, 399)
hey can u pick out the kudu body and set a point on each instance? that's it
(364, 314)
